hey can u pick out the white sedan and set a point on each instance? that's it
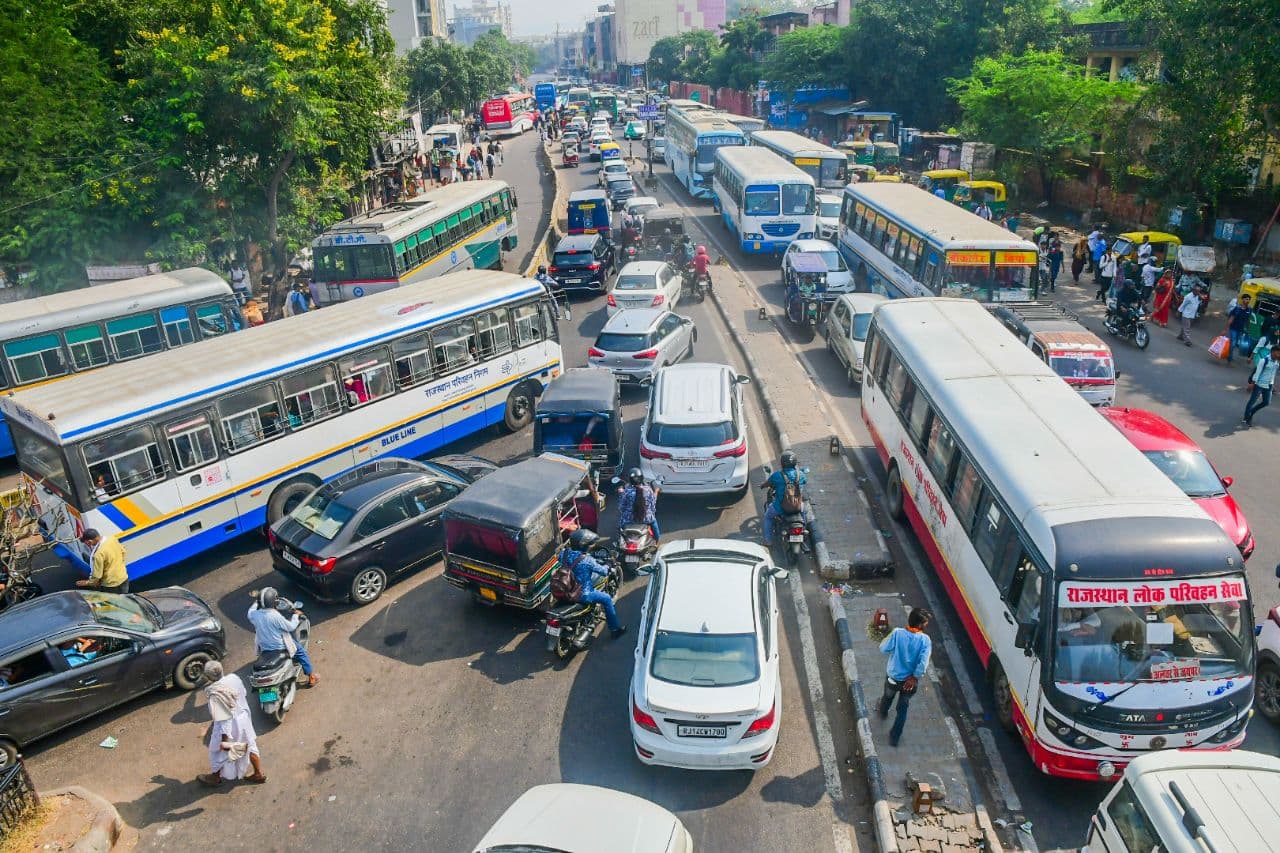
(704, 690)
(644, 284)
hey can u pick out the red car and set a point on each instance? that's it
(1182, 460)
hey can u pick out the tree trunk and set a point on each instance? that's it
(1046, 181)
(275, 246)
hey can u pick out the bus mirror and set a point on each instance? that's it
(1025, 638)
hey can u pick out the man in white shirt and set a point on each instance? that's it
(1144, 250)
(1187, 311)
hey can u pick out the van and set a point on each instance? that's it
(694, 436)
(589, 213)
(1060, 340)
(1190, 801)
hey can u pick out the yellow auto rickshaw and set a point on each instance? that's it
(861, 173)
(944, 179)
(971, 194)
(1264, 293)
(888, 179)
(1164, 246)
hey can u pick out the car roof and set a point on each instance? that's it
(577, 241)
(811, 246)
(567, 816)
(1147, 430)
(708, 586)
(691, 392)
(642, 268)
(362, 492)
(43, 617)
(863, 303)
(634, 320)
(828, 195)
(643, 199)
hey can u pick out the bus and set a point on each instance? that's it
(449, 136)
(1111, 614)
(686, 106)
(579, 96)
(545, 95)
(242, 428)
(692, 140)
(562, 92)
(48, 338)
(901, 241)
(764, 200)
(454, 227)
(508, 115)
(747, 124)
(829, 167)
(606, 101)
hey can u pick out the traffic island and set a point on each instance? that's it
(73, 819)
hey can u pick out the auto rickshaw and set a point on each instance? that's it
(502, 536)
(888, 179)
(946, 179)
(655, 242)
(571, 156)
(579, 415)
(860, 152)
(886, 154)
(1164, 246)
(807, 299)
(861, 173)
(971, 194)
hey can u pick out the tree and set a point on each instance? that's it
(700, 48)
(1040, 104)
(742, 41)
(664, 58)
(442, 77)
(809, 55)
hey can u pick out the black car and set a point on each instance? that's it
(620, 190)
(583, 262)
(69, 655)
(376, 522)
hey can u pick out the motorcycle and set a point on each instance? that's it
(275, 673)
(571, 625)
(635, 541)
(1128, 324)
(697, 286)
(792, 528)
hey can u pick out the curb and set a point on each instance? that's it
(539, 256)
(107, 827)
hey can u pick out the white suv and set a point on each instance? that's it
(694, 436)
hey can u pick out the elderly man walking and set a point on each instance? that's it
(233, 744)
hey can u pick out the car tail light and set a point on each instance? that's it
(594, 353)
(613, 303)
(553, 269)
(658, 300)
(595, 265)
(647, 354)
(649, 453)
(319, 567)
(272, 539)
(760, 726)
(644, 721)
(739, 450)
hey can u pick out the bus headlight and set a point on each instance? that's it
(1106, 770)
(1068, 734)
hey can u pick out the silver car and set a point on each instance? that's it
(635, 343)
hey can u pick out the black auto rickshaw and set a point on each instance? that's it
(807, 299)
(662, 228)
(579, 415)
(502, 536)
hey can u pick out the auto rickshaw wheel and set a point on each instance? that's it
(519, 409)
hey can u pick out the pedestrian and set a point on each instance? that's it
(1260, 383)
(464, 168)
(1164, 299)
(297, 301)
(107, 569)
(497, 149)
(313, 290)
(908, 650)
(240, 282)
(491, 149)
(233, 744)
(1238, 319)
(1055, 263)
(1094, 239)
(1187, 310)
(1079, 258)
(984, 211)
(1145, 249)
(1150, 272)
(1106, 273)
(489, 163)
(1099, 249)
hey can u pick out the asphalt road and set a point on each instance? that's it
(434, 714)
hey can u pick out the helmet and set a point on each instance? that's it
(582, 539)
(635, 476)
(702, 250)
(542, 270)
(788, 459)
(268, 598)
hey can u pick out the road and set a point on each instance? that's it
(433, 715)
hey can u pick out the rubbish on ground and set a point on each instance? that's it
(1001, 822)
(333, 797)
(109, 742)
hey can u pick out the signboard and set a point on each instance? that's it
(1016, 259)
(808, 161)
(968, 259)
(1137, 593)
(1175, 669)
(648, 112)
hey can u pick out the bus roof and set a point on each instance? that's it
(712, 123)
(795, 144)
(761, 164)
(936, 218)
(393, 221)
(1050, 456)
(87, 304)
(88, 403)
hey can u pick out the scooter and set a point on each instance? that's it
(792, 528)
(1127, 325)
(276, 674)
(696, 285)
(571, 625)
(636, 544)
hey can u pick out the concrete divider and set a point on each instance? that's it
(556, 224)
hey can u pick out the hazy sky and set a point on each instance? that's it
(531, 17)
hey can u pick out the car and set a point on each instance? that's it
(633, 130)
(1266, 696)
(582, 262)
(846, 330)
(645, 284)
(828, 214)
(694, 435)
(839, 278)
(70, 655)
(636, 343)
(610, 169)
(601, 124)
(578, 124)
(569, 138)
(1182, 461)
(641, 204)
(566, 816)
(597, 139)
(370, 525)
(659, 147)
(619, 190)
(705, 692)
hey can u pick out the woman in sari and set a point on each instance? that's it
(1164, 293)
(233, 744)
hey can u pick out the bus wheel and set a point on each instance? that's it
(1002, 697)
(519, 411)
(286, 498)
(893, 494)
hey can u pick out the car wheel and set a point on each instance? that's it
(1002, 697)
(190, 670)
(368, 585)
(8, 754)
(1267, 691)
(893, 494)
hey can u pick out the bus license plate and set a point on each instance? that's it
(796, 537)
(292, 558)
(702, 731)
(553, 630)
(488, 594)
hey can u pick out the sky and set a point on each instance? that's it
(535, 17)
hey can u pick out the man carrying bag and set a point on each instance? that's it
(908, 650)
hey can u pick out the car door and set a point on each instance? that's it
(28, 702)
(426, 503)
(671, 285)
(123, 667)
(672, 338)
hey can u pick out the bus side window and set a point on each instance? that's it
(413, 359)
(177, 326)
(87, 345)
(926, 279)
(1024, 586)
(250, 417)
(454, 346)
(467, 226)
(918, 417)
(191, 442)
(211, 321)
(309, 396)
(527, 323)
(895, 382)
(493, 333)
(846, 213)
(940, 453)
(135, 335)
(548, 321)
(366, 376)
(966, 489)
(991, 534)
(34, 359)
(123, 461)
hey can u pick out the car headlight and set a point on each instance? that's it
(211, 625)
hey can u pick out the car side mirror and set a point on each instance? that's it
(779, 574)
(1227, 481)
(1025, 637)
(646, 569)
(743, 379)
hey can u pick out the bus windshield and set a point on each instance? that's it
(761, 201)
(1152, 631)
(987, 284)
(42, 460)
(345, 263)
(798, 200)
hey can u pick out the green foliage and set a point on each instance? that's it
(805, 56)
(687, 56)
(736, 65)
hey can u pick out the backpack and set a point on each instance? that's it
(792, 499)
(564, 583)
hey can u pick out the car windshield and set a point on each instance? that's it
(861, 324)
(704, 660)
(1083, 366)
(122, 611)
(1152, 630)
(692, 435)
(636, 282)
(1190, 471)
(829, 209)
(620, 342)
(323, 515)
(835, 263)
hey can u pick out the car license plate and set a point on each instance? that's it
(690, 463)
(488, 594)
(553, 630)
(796, 537)
(702, 731)
(632, 558)
(289, 557)
(268, 696)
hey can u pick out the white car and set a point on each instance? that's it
(611, 169)
(641, 205)
(644, 284)
(1266, 697)
(659, 147)
(694, 435)
(828, 215)
(839, 278)
(846, 330)
(704, 688)
(597, 139)
(635, 344)
(583, 817)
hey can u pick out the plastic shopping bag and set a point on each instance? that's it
(1220, 348)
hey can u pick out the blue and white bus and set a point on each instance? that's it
(242, 427)
(545, 95)
(829, 167)
(692, 141)
(764, 200)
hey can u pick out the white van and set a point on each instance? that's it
(694, 436)
(1191, 801)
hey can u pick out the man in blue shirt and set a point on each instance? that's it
(788, 472)
(908, 650)
(638, 503)
(1238, 326)
(586, 569)
(270, 627)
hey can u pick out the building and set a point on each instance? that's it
(413, 22)
(835, 13)
(601, 57)
(781, 23)
(1113, 48)
(638, 24)
(471, 22)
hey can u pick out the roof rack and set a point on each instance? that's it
(1037, 310)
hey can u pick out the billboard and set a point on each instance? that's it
(639, 23)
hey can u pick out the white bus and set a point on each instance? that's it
(450, 228)
(238, 429)
(692, 140)
(1111, 614)
(828, 167)
(448, 136)
(901, 241)
(746, 124)
(764, 200)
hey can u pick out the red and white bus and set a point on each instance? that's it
(509, 115)
(1111, 614)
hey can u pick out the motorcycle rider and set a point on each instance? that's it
(1128, 299)
(270, 627)
(787, 472)
(701, 264)
(665, 242)
(551, 286)
(586, 569)
(638, 503)
(630, 232)
(683, 252)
